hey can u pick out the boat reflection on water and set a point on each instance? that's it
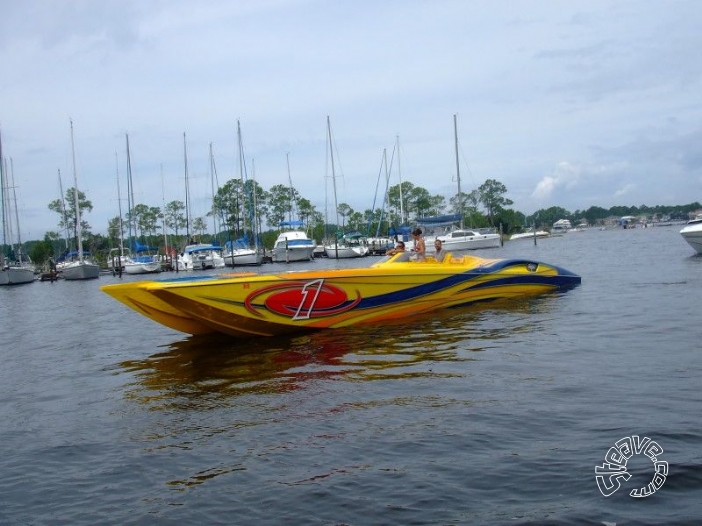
(207, 371)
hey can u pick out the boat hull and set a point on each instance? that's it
(693, 235)
(247, 305)
(243, 257)
(142, 268)
(80, 270)
(472, 242)
(345, 252)
(291, 254)
(16, 275)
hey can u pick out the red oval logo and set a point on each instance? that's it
(303, 300)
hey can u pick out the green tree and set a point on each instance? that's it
(280, 205)
(66, 210)
(344, 210)
(492, 196)
(399, 208)
(200, 226)
(174, 214)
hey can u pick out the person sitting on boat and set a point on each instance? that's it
(400, 247)
(419, 246)
(440, 252)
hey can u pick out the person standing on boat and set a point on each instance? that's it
(439, 248)
(419, 246)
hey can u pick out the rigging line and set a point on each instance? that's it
(375, 196)
(465, 162)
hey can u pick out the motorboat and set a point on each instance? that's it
(249, 304)
(469, 239)
(562, 226)
(293, 245)
(529, 235)
(202, 257)
(692, 233)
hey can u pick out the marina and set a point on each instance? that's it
(492, 414)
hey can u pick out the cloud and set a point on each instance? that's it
(627, 189)
(565, 176)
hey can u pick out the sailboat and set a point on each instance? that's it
(118, 256)
(82, 268)
(345, 246)
(20, 270)
(240, 252)
(196, 256)
(459, 239)
(137, 264)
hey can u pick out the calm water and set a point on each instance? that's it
(480, 415)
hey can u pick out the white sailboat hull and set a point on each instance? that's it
(78, 270)
(16, 275)
(344, 252)
(134, 267)
(242, 257)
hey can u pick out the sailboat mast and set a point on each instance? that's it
(292, 192)
(119, 209)
(336, 205)
(399, 171)
(130, 196)
(2, 204)
(458, 171)
(63, 210)
(79, 232)
(331, 156)
(215, 218)
(163, 200)
(242, 177)
(187, 190)
(18, 252)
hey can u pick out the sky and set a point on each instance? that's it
(567, 103)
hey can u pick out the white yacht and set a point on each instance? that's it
(293, 245)
(562, 226)
(692, 233)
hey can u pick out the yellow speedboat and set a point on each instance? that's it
(249, 304)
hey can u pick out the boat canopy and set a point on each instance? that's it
(200, 248)
(138, 247)
(291, 224)
(438, 221)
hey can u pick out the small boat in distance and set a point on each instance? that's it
(248, 304)
(562, 226)
(529, 235)
(692, 233)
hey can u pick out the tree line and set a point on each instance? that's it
(244, 208)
